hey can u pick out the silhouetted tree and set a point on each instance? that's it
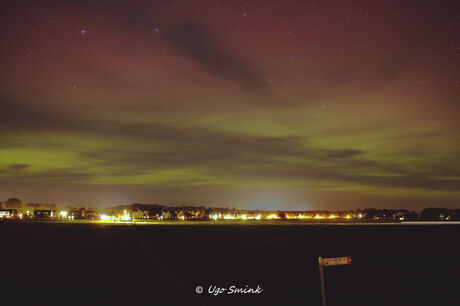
(412, 216)
(13, 203)
(434, 214)
(370, 213)
(455, 214)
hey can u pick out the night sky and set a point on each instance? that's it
(252, 104)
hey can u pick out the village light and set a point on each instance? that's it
(258, 217)
(104, 217)
(348, 217)
(332, 217)
(272, 216)
(125, 216)
(63, 214)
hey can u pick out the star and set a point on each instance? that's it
(157, 29)
(244, 14)
(83, 32)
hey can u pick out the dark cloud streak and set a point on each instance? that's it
(194, 40)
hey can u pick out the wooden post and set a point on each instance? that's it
(321, 278)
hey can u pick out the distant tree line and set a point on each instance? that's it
(150, 211)
(441, 214)
(427, 214)
(389, 214)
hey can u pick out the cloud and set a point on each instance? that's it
(195, 41)
(217, 153)
(346, 153)
(60, 175)
(18, 166)
(338, 174)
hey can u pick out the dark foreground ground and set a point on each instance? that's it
(99, 264)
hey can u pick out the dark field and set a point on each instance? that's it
(162, 264)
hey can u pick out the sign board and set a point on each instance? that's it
(336, 261)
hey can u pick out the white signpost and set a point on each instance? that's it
(323, 262)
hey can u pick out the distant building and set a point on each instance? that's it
(90, 215)
(43, 214)
(184, 215)
(8, 213)
(75, 214)
(229, 216)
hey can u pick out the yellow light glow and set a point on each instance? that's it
(348, 217)
(272, 216)
(319, 217)
(229, 217)
(125, 217)
(332, 216)
(63, 214)
(104, 217)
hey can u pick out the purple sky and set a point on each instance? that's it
(253, 104)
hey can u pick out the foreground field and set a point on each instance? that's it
(162, 265)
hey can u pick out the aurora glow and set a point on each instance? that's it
(267, 104)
